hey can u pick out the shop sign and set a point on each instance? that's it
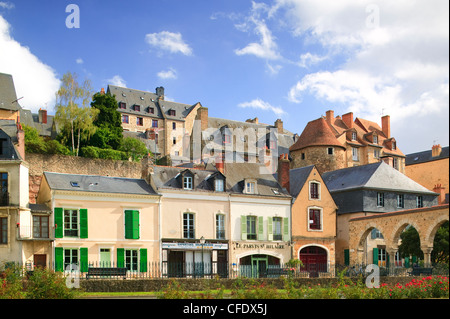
(194, 246)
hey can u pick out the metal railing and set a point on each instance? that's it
(151, 270)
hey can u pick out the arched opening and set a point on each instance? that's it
(314, 260)
(409, 246)
(258, 266)
(440, 253)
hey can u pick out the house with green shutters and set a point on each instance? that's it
(99, 221)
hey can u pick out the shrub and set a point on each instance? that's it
(47, 284)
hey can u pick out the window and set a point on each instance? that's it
(40, 226)
(131, 259)
(139, 121)
(314, 222)
(174, 140)
(3, 230)
(400, 201)
(380, 199)
(330, 151)
(375, 139)
(154, 123)
(156, 139)
(277, 230)
(375, 234)
(376, 153)
(314, 189)
(151, 110)
(382, 257)
(353, 136)
(251, 227)
(227, 139)
(218, 185)
(220, 226)
(172, 112)
(187, 182)
(250, 187)
(125, 119)
(137, 108)
(303, 156)
(419, 201)
(122, 105)
(174, 125)
(395, 163)
(4, 189)
(70, 259)
(71, 222)
(394, 145)
(355, 153)
(188, 226)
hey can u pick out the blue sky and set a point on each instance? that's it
(288, 59)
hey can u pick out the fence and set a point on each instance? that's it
(224, 270)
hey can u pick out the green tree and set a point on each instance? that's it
(440, 253)
(410, 245)
(108, 122)
(73, 112)
(134, 148)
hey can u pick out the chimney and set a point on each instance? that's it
(330, 117)
(436, 150)
(42, 116)
(102, 91)
(21, 141)
(386, 125)
(220, 164)
(441, 191)
(279, 126)
(150, 134)
(255, 120)
(202, 115)
(160, 93)
(283, 171)
(348, 119)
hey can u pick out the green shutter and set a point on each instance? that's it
(59, 259)
(59, 226)
(347, 257)
(83, 223)
(143, 259)
(260, 228)
(286, 229)
(83, 259)
(269, 228)
(132, 224)
(375, 256)
(120, 257)
(244, 227)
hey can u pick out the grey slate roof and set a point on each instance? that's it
(8, 93)
(166, 177)
(100, 184)
(30, 119)
(148, 99)
(372, 176)
(236, 173)
(425, 156)
(297, 179)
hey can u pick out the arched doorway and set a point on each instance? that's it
(314, 260)
(257, 266)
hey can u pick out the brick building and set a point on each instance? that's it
(333, 143)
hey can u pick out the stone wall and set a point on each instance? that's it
(40, 163)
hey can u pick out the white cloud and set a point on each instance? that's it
(6, 5)
(308, 59)
(35, 81)
(168, 41)
(79, 61)
(117, 80)
(171, 73)
(260, 104)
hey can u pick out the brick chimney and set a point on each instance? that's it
(42, 116)
(330, 116)
(202, 115)
(102, 91)
(283, 171)
(255, 120)
(386, 125)
(160, 93)
(441, 191)
(279, 126)
(348, 119)
(220, 164)
(436, 150)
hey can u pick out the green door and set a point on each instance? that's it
(259, 267)
(105, 257)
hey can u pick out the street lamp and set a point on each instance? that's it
(202, 242)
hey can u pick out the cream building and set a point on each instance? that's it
(99, 221)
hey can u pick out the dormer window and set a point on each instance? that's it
(151, 110)
(218, 185)
(172, 112)
(375, 139)
(122, 105)
(394, 145)
(137, 108)
(353, 136)
(187, 182)
(250, 187)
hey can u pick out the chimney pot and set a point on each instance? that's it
(436, 150)
(283, 171)
(42, 116)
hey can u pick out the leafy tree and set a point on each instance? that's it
(410, 245)
(108, 121)
(440, 252)
(34, 143)
(73, 112)
(135, 148)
